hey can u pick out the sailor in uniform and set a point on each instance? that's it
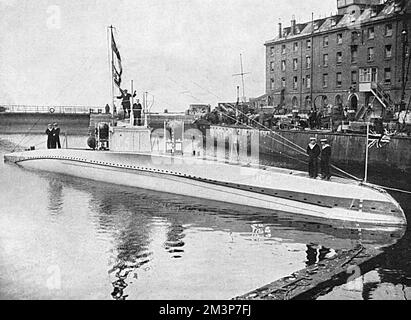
(126, 97)
(313, 151)
(137, 112)
(49, 133)
(55, 136)
(325, 159)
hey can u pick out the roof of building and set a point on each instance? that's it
(371, 14)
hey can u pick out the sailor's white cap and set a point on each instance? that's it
(313, 138)
(323, 140)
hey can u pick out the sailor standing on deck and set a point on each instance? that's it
(325, 159)
(313, 151)
(137, 112)
(55, 139)
(125, 96)
(49, 132)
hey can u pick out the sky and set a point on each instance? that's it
(182, 52)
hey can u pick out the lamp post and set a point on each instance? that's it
(404, 34)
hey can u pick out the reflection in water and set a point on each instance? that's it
(260, 231)
(124, 213)
(55, 193)
(132, 238)
(174, 243)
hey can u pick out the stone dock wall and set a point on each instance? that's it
(346, 148)
(24, 123)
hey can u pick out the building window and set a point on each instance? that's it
(339, 38)
(374, 74)
(339, 57)
(283, 82)
(339, 79)
(308, 44)
(368, 74)
(352, 15)
(325, 80)
(283, 49)
(354, 54)
(354, 77)
(370, 54)
(387, 75)
(295, 46)
(272, 66)
(272, 51)
(272, 84)
(294, 102)
(308, 62)
(365, 75)
(295, 64)
(388, 30)
(295, 83)
(388, 51)
(308, 82)
(325, 60)
(371, 33)
(325, 41)
(282, 65)
(354, 36)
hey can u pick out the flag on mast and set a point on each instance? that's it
(378, 140)
(116, 62)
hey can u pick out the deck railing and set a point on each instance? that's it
(52, 109)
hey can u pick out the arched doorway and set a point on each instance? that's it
(353, 102)
(294, 102)
(338, 104)
(282, 97)
(338, 101)
(324, 101)
(307, 103)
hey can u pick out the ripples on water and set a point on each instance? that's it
(65, 237)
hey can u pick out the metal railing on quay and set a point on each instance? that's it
(51, 109)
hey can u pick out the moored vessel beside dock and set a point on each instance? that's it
(203, 177)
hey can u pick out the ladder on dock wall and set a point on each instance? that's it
(383, 97)
(360, 113)
(378, 93)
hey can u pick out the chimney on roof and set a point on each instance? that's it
(280, 30)
(293, 28)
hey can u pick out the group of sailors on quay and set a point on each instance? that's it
(53, 136)
(315, 151)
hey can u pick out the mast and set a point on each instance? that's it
(110, 55)
(237, 106)
(366, 153)
(145, 109)
(404, 38)
(242, 76)
(132, 103)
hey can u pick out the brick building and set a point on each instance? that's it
(356, 58)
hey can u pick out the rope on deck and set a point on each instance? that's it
(394, 189)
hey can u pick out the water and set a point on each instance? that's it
(71, 238)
